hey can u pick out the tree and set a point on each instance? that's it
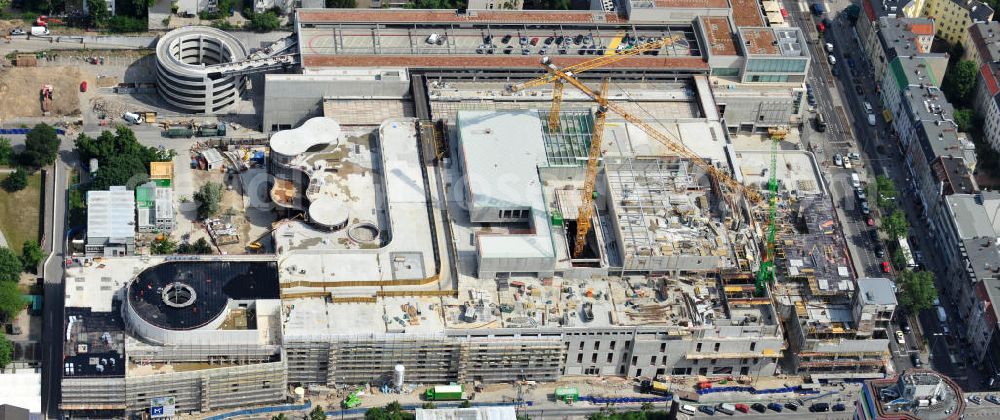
(208, 198)
(917, 291)
(11, 302)
(853, 12)
(317, 413)
(280, 416)
(6, 350)
(163, 246)
(392, 411)
(6, 150)
(895, 224)
(40, 146)
(16, 181)
(899, 258)
(201, 246)
(963, 119)
(31, 256)
(428, 406)
(465, 404)
(264, 22)
(885, 188)
(10, 266)
(341, 4)
(959, 82)
(99, 14)
(122, 159)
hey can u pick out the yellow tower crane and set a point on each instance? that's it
(583, 224)
(604, 60)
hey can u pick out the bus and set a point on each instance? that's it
(904, 247)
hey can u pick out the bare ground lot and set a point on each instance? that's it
(20, 87)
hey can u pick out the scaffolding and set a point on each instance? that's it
(569, 145)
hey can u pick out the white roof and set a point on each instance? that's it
(22, 389)
(475, 413)
(211, 155)
(318, 130)
(328, 211)
(111, 214)
(502, 151)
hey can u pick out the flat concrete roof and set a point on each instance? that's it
(317, 130)
(321, 16)
(719, 35)
(111, 214)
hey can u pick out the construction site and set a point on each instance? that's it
(465, 216)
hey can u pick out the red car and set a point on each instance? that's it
(743, 408)
(885, 267)
(870, 221)
(784, 13)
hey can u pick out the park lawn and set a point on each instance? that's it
(20, 213)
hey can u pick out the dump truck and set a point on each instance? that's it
(655, 387)
(444, 393)
(211, 130)
(178, 132)
(567, 394)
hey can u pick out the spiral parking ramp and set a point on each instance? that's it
(187, 69)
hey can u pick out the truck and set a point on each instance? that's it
(818, 8)
(567, 394)
(655, 387)
(855, 180)
(39, 31)
(444, 393)
(211, 130)
(178, 132)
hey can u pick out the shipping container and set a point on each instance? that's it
(567, 394)
(178, 132)
(444, 393)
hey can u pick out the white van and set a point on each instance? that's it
(132, 118)
(727, 408)
(855, 180)
(871, 120)
(687, 409)
(433, 38)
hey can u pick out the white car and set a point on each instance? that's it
(838, 160)
(854, 156)
(900, 339)
(847, 163)
(829, 47)
(868, 107)
(833, 60)
(871, 119)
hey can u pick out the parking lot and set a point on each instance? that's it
(507, 40)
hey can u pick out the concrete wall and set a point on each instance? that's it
(289, 100)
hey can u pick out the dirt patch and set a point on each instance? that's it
(20, 87)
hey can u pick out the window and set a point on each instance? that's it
(612, 345)
(638, 372)
(652, 360)
(581, 345)
(593, 358)
(753, 346)
(663, 347)
(745, 370)
(609, 357)
(579, 358)
(628, 343)
(635, 359)
(678, 371)
(698, 348)
(597, 345)
(716, 346)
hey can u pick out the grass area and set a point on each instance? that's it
(20, 213)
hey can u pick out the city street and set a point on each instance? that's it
(881, 155)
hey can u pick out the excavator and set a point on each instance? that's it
(256, 246)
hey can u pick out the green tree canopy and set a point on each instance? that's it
(963, 119)
(99, 14)
(163, 246)
(6, 150)
(959, 82)
(317, 413)
(895, 224)
(11, 302)
(917, 291)
(16, 181)
(264, 22)
(6, 350)
(885, 188)
(122, 160)
(40, 146)
(392, 411)
(31, 256)
(208, 198)
(10, 266)
(341, 4)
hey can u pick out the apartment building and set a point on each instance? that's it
(888, 38)
(983, 46)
